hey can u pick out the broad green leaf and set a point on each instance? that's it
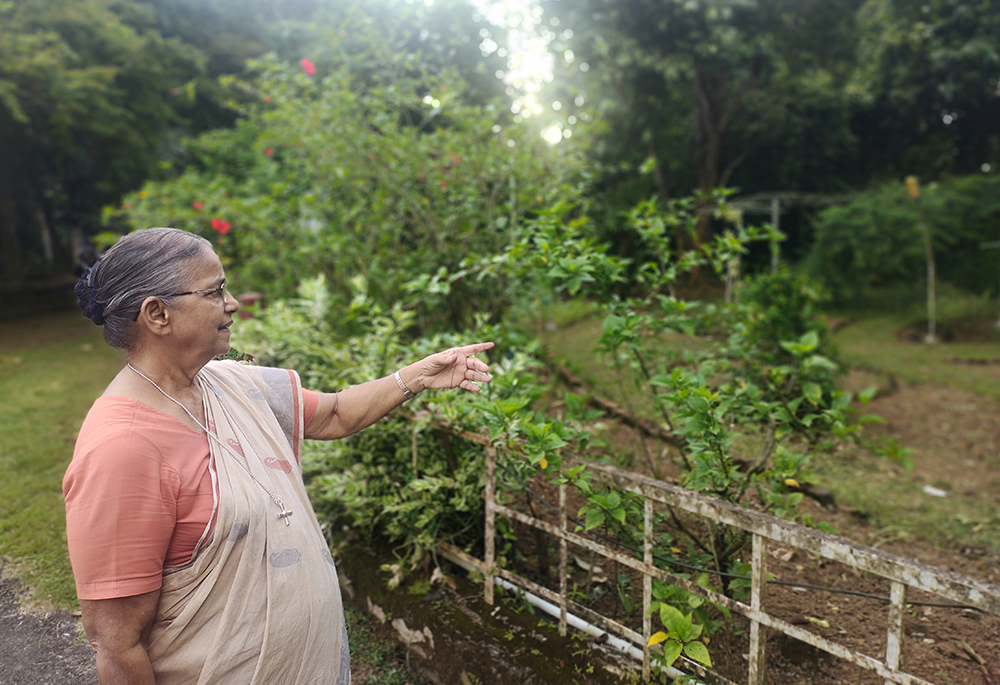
(671, 650)
(813, 393)
(698, 403)
(684, 627)
(595, 518)
(613, 323)
(867, 395)
(697, 651)
(671, 618)
(809, 341)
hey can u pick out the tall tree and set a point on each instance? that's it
(703, 88)
(86, 89)
(929, 76)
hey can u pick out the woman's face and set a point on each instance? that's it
(202, 319)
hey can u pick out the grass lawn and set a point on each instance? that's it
(52, 368)
(873, 343)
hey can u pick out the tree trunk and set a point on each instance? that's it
(9, 243)
(47, 242)
(713, 111)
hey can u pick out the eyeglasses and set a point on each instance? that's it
(219, 292)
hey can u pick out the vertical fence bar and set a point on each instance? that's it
(563, 554)
(647, 586)
(491, 514)
(894, 639)
(758, 633)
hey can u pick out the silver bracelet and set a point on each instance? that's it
(402, 386)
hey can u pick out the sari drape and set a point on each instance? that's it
(260, 601)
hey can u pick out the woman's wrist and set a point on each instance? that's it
(408, 378)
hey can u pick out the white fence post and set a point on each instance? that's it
(563, 554)
(894, 639)
(758, 632)
(491, 514)
(647, 586)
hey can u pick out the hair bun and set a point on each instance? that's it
(86, 297)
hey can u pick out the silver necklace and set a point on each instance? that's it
(278, 501)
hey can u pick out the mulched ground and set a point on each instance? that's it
(41, 649)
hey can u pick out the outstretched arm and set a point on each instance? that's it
(346, 412)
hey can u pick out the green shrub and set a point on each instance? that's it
(782, 306)
(874, 242)
(389, 183)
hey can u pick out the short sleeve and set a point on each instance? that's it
(310, 403)
(121, 513)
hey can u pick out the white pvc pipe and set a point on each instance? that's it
(551, 609)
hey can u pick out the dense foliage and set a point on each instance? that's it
(764, 96)
(734, 402)
(389, 184)
(96, 95)
(85, 94)
(875, 241)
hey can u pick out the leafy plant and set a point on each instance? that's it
(680, 636)
(746, 384)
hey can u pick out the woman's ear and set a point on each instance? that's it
(154, 316)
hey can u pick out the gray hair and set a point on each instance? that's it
(148, 262)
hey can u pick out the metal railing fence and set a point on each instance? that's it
(902, 574)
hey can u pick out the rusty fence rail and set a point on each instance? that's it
(903, 574)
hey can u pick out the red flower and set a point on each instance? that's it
(308, 66)
(456, 159)
(371, 156)
(268, 152)
(220, 226)
(443, 185)
(267, 99)
(197, 205)
(126, 205)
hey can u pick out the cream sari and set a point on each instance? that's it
(260, 601)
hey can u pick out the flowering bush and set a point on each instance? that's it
(387, 183)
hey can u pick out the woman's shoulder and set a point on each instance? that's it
(114, 418)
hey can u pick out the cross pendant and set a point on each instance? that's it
(285, 513)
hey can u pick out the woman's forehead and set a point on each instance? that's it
(207, 267)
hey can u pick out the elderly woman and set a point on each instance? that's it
(196, 552)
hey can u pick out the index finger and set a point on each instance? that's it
(475, 348)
